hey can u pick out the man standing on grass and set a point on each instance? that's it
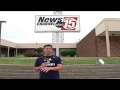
(48, 65)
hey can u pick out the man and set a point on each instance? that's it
(48, 65)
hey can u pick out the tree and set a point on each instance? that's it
(39, 50)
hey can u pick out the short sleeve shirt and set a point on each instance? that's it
(51, 61)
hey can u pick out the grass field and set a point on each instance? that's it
(66, 60)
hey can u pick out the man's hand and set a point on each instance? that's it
(45, 69)
(44, 64)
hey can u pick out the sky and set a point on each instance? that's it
(19, 26)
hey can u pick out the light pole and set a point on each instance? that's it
(0, 34)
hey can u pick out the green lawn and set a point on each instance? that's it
(66, 61)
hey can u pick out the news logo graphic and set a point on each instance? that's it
(57, 23)
(69, 23)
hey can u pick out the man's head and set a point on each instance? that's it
(47, 49)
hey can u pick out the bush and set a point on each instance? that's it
(33, 54)
(70, 52)
(64, 53)
(39, 50)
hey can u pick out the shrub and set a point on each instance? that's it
(70, 52)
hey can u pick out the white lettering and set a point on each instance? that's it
(51, 64)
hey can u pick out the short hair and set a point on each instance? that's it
(47, 46)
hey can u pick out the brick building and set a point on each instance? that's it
(102, 41)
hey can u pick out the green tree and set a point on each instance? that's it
(39, 50)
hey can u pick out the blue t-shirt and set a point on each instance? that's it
(52, 61)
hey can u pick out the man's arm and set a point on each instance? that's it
(46, 69)
(58, 67)
(39, 67)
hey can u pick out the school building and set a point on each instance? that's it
(102, 41)
(11, 49)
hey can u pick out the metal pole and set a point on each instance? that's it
(57, 43)
(0, 34)
(57, 34)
